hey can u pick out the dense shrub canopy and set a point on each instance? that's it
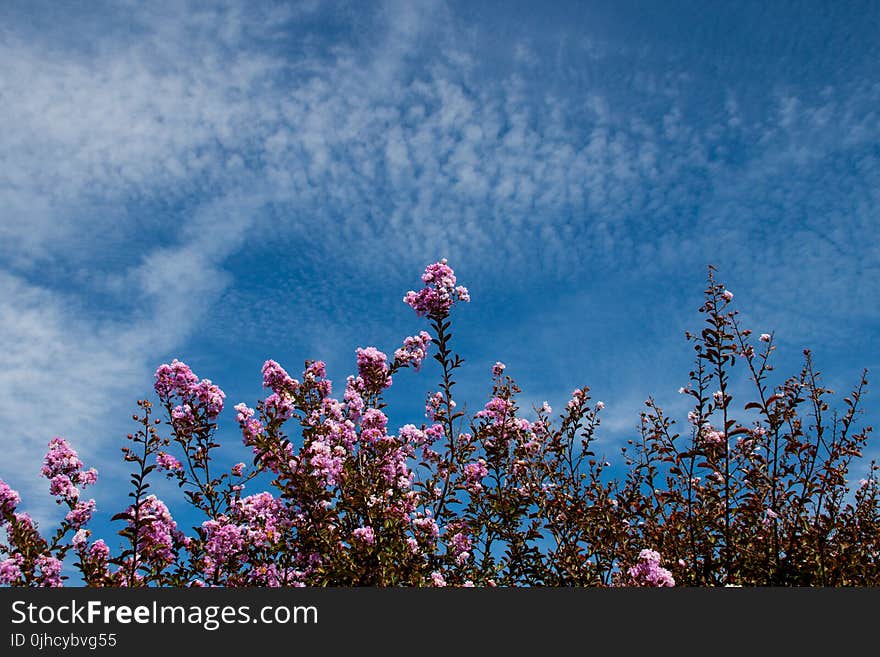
(740, 492)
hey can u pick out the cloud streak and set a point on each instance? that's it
(204, 160)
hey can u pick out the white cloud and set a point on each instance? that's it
(382, 157)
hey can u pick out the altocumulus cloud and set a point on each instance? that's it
(149, 147)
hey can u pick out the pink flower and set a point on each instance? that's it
(63, 468)
(497, 409)
(460, 544)
(79, 539)
(412, 435)
(178, 382)
(210, 397)
(437, 579)
(433, 404)
(278, 406)
(433, 433)
(277, 379)
(728, 295)
(765, 337)
(373, 425)
(316, 370)
(167, 462)
(648, 572)
(88, 477)
(251, 428)
(498, 369)
(353, 399)
(364, 535)
(50, 571)
(769, 516)
(413, 351)
(184, 418)
(237, 469)
(174, 379)
(9, 500)
(326, 462)
(577, 398)
(373, 369)
(262, 517)
(157, 529)
(224, 541)
(81, 513)
(10, 569)
(99, 550)
(474, 474)
(427, 526)
(713, 437)
(440, 291)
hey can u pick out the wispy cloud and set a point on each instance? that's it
(200, 161)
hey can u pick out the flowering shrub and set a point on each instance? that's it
(750, 493)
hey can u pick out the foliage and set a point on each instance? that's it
(738, 494)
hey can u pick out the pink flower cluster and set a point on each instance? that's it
(413, 435)
(413, 351)
(10, 569)
(232, 541)
(649, 572)
(460, 545)
(80, 514)
(263, 517)
(50, 571)
(439, 293)
(177, 382)
(167, 462)
(427, 527)
(250, 426)
(496, 409)
(9, 500)
(277, 379)
(315, 378)
(224, 541)
(433, 405)
(712, 437)
(63, 469)
(474, 473)
(354, 402)
(99, 550)
(372, 367)
(326, 461)
(578, 397)
(373, 426)
(280, 406)
(157, 531)
(364, 535)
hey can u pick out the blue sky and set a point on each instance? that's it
(233, 181)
